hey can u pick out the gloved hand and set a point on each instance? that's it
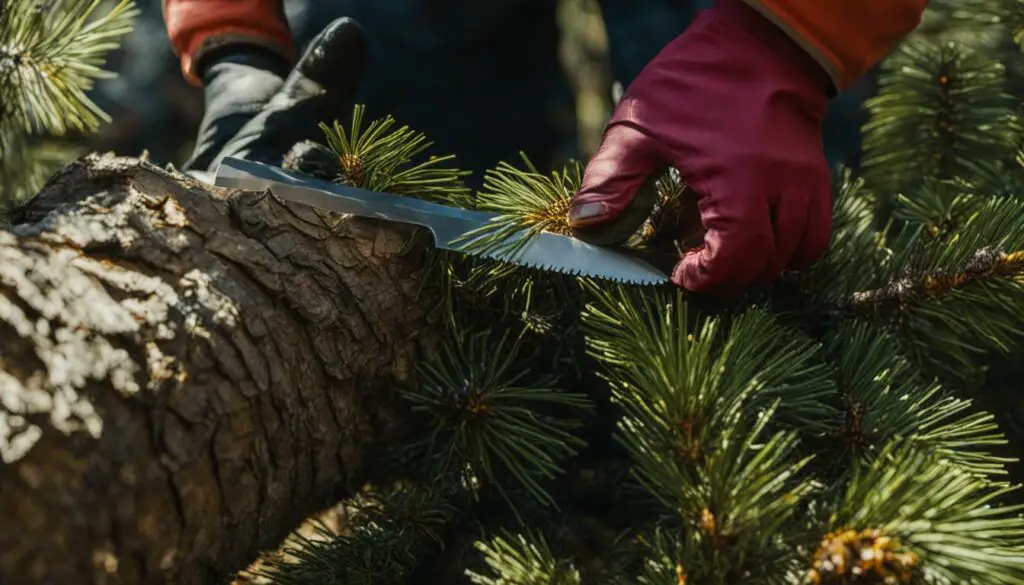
(736, 106)
(254, 112)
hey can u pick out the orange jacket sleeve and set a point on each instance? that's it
(196, 26)
(847, 37)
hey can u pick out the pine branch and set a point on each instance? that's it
(51, 53)
(738, 500)
(951, 283)
(750, 488)
(920, 516)
(697, 412)
(523, 559)
(488, 418)
(941, 112)
(885, 399)
(676, 557)
(897, 295)
(972, 222)
(709, 376)
(387, 535)
(528, 203)
(381, 156)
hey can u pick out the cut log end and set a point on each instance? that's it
(186, 372)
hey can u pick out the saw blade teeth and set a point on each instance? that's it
(575, 272)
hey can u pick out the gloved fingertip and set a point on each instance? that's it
(588, 213)
(618, 190)
(612, 212)
(687, 270)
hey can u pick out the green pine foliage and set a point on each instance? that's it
(523, 559)
(490, 415)
(827, 429)
(942, 113)
(51, 54)
(818, 430)
(390, 530)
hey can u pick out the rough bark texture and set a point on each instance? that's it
(187, 372)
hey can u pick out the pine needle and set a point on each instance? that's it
(528, 202)
(523, 560)
(944, 515)
(489, 419)
(884, 398)
(381, 156)
(941, 113)
(51, 53)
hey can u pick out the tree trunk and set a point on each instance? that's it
(187, 372)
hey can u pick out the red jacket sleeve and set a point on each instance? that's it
(847, 37)
(196, 26)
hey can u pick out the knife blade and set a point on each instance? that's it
(449, 225)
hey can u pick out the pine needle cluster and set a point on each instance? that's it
(51, 54)
(490, 421)
(380, 156)
(385, 532)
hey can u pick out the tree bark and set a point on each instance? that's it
(187, 372)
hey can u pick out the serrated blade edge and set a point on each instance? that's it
(567, 255)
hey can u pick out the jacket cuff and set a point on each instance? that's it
(777, 38)
(196, 27)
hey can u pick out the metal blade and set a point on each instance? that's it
(546, 251)
(555, 252)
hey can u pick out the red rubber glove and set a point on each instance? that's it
(736, 106)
